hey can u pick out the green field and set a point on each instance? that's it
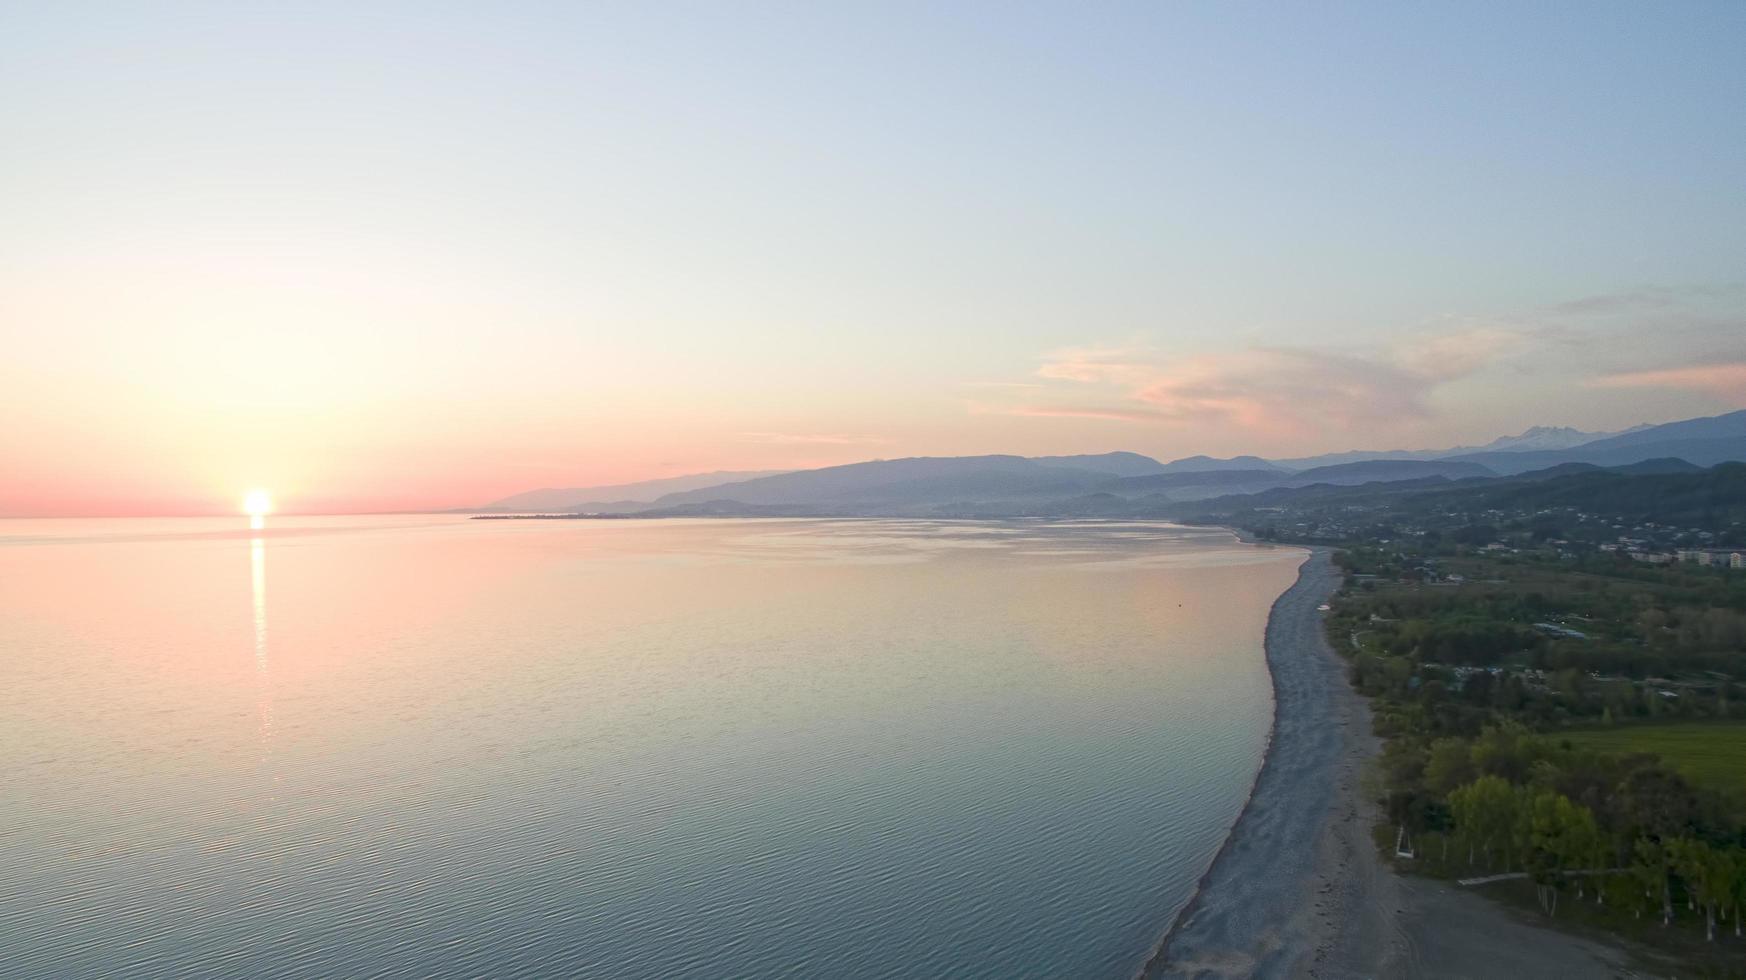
(1707, 753)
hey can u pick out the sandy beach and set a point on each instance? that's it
(1298, 889)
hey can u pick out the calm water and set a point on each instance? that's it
(437, 747)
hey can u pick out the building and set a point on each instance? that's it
(1708, 557)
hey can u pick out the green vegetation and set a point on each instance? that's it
(1575, 724)
(1582, 507)
(1558, 708)
(1710, 755)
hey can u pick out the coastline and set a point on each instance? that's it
(1298, 888)
(1295, 889)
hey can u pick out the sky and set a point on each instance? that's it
(381, 256)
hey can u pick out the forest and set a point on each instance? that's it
(1485, 670)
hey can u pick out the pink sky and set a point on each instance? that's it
(421, 259)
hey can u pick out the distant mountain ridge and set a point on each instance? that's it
(1385, 471)
(1115, 464)
(1207, 464)
(1132, 484)
(646, 491)
(1542, 437)
(890, 483)
(1662, 490)
(1704, 442)
(1535, 438)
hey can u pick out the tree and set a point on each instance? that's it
(1709, 874)
(1656, 802)
(1737, 883)
(1583, 846)
(1449, 766)
(1650, 868)
(1539, 830)
(1485, 813)
(1625, 891)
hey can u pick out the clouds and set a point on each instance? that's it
(812, 439)
(1076, 412)
(1099, 365)
(1282, 389)
(1277, 390)
(1678, 348)
(1454, 355)
(1726, 381)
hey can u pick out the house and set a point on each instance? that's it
(1711, 557)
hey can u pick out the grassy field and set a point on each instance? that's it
(1708, 753)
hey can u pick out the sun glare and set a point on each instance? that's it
(257, 503)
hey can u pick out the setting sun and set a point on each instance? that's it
(257, 503)
(1203, 488)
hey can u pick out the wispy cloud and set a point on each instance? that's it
(812, 439)
(1099, 365)
(1269, 389)
(1284, 392)
(1073, 412)
(1726, 380)
(1648, 299)
(1280, 389)
(1458, 354)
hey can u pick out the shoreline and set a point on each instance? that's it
(1298, 889)
(1293, 889)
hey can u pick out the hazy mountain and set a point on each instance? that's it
(1562, 469)
(1729, 426)
(1013, 486)
(1712, 496)
(614, 496)
(1207, 464)
(1296, 463)
(1129, 484)
(1386, 470)
(1662, 465)
(1703, 442)
(634, 497)
(1115, 464)
(898, 483)
(1537, 437)
(1198, 484)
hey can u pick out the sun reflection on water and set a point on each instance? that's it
(263, 674)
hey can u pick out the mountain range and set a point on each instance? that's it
(1126, 483)
(614, 496)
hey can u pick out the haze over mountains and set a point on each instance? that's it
(598, 498)
(1536, 438)
(1125, 483)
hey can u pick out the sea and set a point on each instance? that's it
(417, 746)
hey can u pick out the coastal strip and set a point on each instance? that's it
(1297, 889)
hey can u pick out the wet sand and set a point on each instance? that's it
(1299, 890)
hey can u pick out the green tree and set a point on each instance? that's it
(1485, 814)
(1650, 868)
(1449, 766)
(1708, 873)
(1737, 884)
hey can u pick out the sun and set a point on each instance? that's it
(257, 503)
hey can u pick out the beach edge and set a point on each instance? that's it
(1267, 904)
